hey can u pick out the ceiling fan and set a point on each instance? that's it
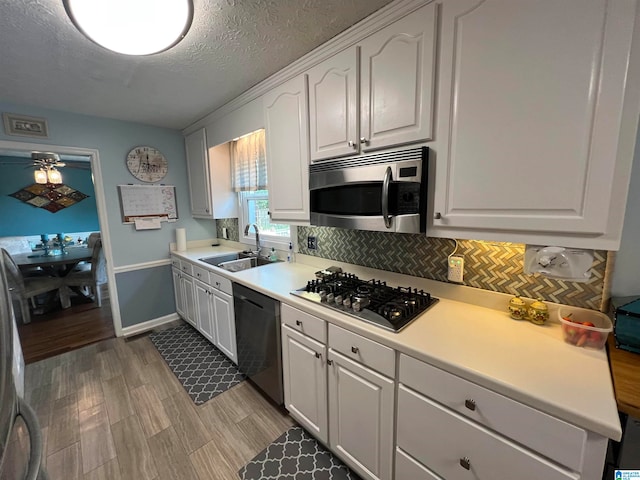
(45, 160)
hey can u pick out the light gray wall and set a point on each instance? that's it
(626, 273)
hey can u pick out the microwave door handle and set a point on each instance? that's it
(385, 198)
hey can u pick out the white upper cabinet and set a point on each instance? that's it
(397, 81)
(531, 132)
(378, 93)
(209, 178)
(333, 106)
(287, 139)
(198, 168)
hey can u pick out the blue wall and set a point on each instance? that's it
(114, 139)
(23, 219)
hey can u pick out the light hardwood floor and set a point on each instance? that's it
(113, 410)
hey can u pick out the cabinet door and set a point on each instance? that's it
(198, 169)
(333, 106)
(204, 310)
(397, 81)
(530, 113)
(361, 409)
(189, 307)
(287, 137)
(305, 381)
(225, 325)
(178, 291)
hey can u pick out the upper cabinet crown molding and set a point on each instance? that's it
(371, 24)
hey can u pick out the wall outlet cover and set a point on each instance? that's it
(455, 271)
(225, 233)
(312, 243)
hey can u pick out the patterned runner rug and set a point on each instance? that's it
(203, 370)
(296, 455)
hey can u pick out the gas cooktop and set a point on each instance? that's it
(373, 301)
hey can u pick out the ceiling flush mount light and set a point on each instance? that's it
(132, 27)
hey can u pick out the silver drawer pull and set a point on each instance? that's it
(470, 404)
(465, 463)
(318, 355)
(355, 349)
(298, 323)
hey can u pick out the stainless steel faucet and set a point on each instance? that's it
(246, 232)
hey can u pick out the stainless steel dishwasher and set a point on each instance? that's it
(258, 339)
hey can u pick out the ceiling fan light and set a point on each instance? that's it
(132, 27)
(40, 176)
(54, 176)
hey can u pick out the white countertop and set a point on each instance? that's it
(523, 361)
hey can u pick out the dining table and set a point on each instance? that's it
(55, 263)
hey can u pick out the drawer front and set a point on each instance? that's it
(458, 449)
(370, 353)
(409, 469)
(552, 437)
(221, 283)
(175, 262)
(200, 273)
(186, 267)
(311, 326)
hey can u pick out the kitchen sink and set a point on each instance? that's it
(236, 262)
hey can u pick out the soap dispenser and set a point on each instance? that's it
(273, 256)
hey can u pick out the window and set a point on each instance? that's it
(249, 165)
(254, 208)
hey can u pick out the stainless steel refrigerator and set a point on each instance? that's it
(20, 435)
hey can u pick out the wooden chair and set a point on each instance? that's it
(24, 288)
(93, 277)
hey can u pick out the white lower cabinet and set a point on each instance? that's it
(361, 417)
(305, 380)
(189, 307)
(205, 314)
(457, 448)
(225, 324)
(204, 299)
(361, 403)
(178, 291)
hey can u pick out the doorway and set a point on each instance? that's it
(59, 330)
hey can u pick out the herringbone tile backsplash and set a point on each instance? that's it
(488, 265)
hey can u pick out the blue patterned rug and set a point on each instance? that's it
(296, 455)
(202, 369)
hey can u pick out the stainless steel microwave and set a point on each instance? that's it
(384, 191)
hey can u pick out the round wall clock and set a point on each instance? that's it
(147, 164)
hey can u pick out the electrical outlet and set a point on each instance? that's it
(456, 268)
(225, 233)
(312, 243)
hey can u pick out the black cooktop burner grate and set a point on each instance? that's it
(373, 301)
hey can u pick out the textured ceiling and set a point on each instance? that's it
(232, 45)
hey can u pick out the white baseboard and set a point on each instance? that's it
(148, 325)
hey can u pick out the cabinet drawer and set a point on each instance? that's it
(221, 283)
(408, 468)
(200, 273)
(554, 438)
(314, 327)
(186, 267)
(363, 350)
(458, 449)
(175, 262)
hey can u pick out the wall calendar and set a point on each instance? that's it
(139, 201)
